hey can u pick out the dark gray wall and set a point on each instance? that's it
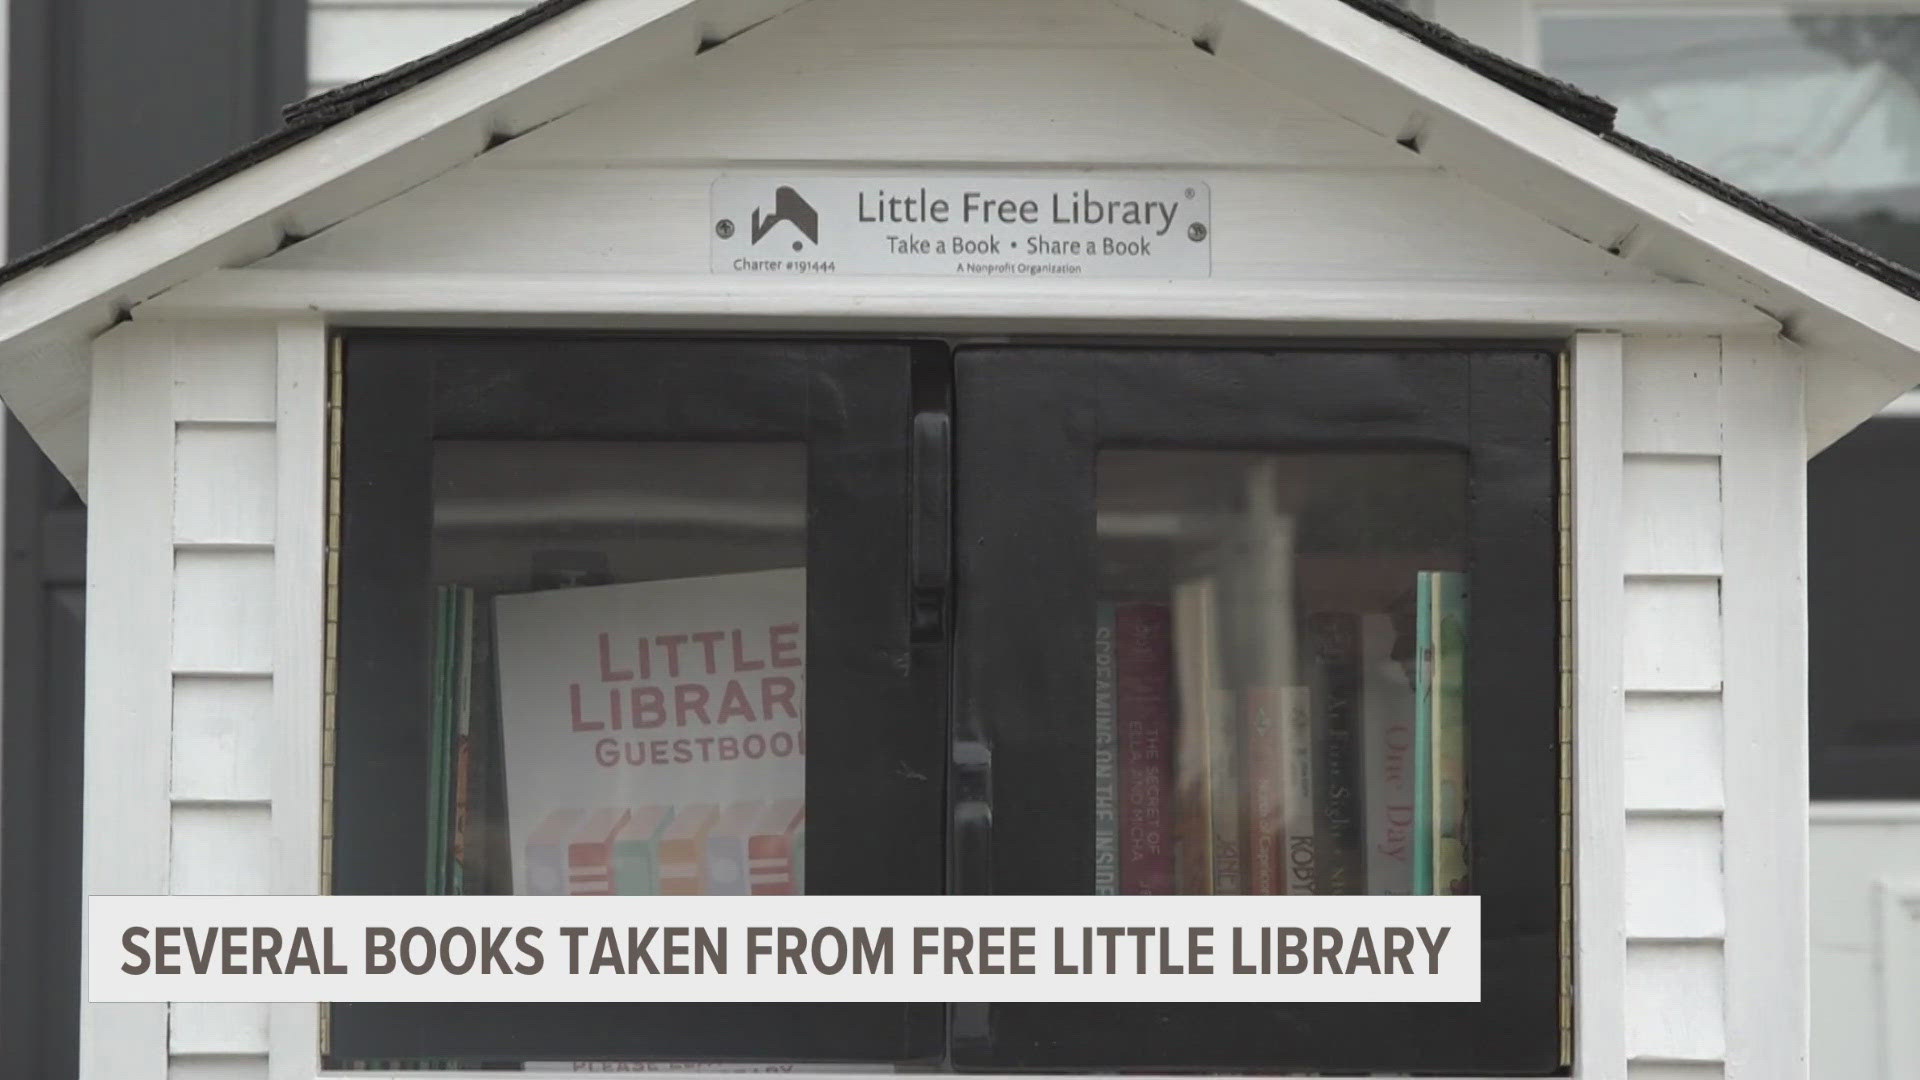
(108, 99)
(1863, 582)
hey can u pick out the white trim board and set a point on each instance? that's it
(1355, 66)
(1456, 308)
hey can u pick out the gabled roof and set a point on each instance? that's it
(1540, 143)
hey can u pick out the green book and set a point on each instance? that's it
(1450, 853)
(1423, 622)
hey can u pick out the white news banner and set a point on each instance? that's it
(783, 949)
(1073, 225)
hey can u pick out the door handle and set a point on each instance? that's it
(930, 535)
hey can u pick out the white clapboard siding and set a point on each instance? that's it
(217, 429)
(216, 1067)
(1677, 994)
(1673, 633)
(1676, 1070)
(222, 739)
(1673, 736)
(1681, 854)
(1673, 744)
(1673, 396)
(1673, 503)
(223, 611)
(224, 492)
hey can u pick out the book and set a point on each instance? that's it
(1334, 644)
(1297, 809)
(460, 743)
(1451, 805)
(1386, 732)
(1207, 813)
(776, 850)
(636, 852)
(1440, 826)
(1423, 674)
(1265, 709)
(1143, 708)
(686, 695)
(727, 848)
(683, 850)
(1266, 665)
(590, 852)
(544, 870)
(1106, 770)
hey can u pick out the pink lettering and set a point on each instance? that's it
(689, 698)
(777, 690)
(784, 640)
(607, 672)
(734, 704)
(740, 661)
(708, 639)
(579, 722)
(672, 643)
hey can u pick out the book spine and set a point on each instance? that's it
(1194, 626)
(1106, 771)
(1266, 792)
(462, 748)
(1296, 755)
(1450, 804)
(1423, 734)
(1144, 714)
(1387, 756)
(1334, 641)
(437, 724)
(1224, 787)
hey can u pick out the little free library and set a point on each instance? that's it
(906, 447)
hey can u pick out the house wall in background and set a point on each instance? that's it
(106, 100)
(352, 39)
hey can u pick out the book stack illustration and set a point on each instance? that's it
(650, 738)
(1277, 717)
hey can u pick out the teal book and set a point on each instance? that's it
(636, 854)
(1451, 872)
(1424, 623)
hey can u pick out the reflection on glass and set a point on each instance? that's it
(1279, 657)
(1818, 112)
(618, 671)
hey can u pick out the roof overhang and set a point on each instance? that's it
(1862, 334)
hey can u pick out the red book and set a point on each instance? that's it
(1143, 662)
(770, 850)
(590, 853)
(1266, 793)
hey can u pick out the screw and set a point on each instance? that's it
(1196, 232)
(723, 229)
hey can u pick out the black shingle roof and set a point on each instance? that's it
(304, 119)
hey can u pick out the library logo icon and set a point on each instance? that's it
(790, 207)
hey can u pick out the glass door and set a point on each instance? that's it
(1238, 622)
(627, 616)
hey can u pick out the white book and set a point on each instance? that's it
(1386, 719)
(677, 693)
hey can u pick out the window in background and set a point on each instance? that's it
(1819, 113)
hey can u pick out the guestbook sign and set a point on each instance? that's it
(1139, 226)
